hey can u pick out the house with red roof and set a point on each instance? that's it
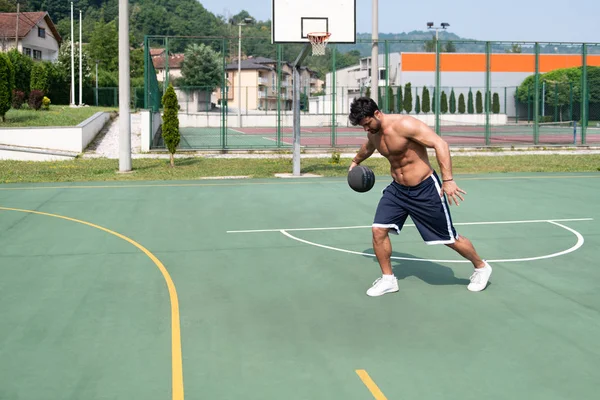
(33, 32)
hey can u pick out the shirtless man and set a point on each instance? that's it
(416, 190)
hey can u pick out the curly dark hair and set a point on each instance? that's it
(361, 108)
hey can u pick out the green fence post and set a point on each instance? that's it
(570, 101)
(488, 79)
(555, 101)
(387, 81)
(146, 71)
(166, 64)
(584, 94)
(224, 97)
(536, 98)
(517, 105)
(333, 97)
(438, 90)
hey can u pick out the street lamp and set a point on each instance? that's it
(245, 21)
(444, 25)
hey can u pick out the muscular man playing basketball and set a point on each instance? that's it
(415, 191)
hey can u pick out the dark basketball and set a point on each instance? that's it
(361, 179)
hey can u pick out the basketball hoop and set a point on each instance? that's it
(319, 42)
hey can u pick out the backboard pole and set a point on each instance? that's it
(296, 106)
(375, 51)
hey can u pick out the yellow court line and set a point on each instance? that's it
(176, 361)
(364, 376)
(312, 180)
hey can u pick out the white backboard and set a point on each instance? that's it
(292, 20)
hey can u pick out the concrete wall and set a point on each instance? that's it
(72, 139)
(150, 122)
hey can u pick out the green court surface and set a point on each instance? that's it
(255, 289)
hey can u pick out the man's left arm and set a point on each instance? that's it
(421, 133)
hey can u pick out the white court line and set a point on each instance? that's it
(577, 245)
(369, 226)
(235, 130)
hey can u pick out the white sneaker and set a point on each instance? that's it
(383, 285)
(480, 278)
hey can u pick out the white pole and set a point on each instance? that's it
(124, 81)
(239, 100)
(375, 51)
(72, 60)
(80, 61)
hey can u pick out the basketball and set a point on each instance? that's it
(361, 179)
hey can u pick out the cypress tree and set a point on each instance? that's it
(418, 105)
(408, 104)
(452, 102)
(170, 125)
(461, 104)
(496, 104)
(478, 103)
(426, 102)
(470, 108)
(444, 103)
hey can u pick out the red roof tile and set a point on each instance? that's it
(27, 21)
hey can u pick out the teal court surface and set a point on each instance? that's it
(255, 289)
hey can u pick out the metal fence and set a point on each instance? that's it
(471, 93)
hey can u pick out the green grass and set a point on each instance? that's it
(84, 170)
(56, 116)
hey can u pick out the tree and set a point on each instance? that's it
(461, 104)
(479, 102)
(391, 105)
(470, 108)
(22, 66)
(433, 101)
(104, 45)
(7, 83)
(39, 77)
(400, 99)
(202, 67)
(444, 103)
(408, 104)
(170, 125)
(450, 47)
(452, 102)
(496, 104)
(418, 105)
(515, 48)
(426, 102)
(430, 45)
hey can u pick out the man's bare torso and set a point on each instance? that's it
(409, 163)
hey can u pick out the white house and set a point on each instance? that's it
(34, 32)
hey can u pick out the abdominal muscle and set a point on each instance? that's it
(409, 163)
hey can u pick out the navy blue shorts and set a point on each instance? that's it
(423, 204)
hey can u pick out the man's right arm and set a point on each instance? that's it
(364, 152)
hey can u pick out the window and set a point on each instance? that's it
(41, 32)
(382, 74)
(27, 51)
(37, 54)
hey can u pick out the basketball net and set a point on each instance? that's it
(319, 42)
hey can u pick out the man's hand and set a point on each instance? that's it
(352, 166)
(452, 192)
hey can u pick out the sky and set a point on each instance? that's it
(497, 20)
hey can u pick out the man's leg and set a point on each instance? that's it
(464, 247)
(483, 270)
(383, 251)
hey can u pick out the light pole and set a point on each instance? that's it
(97, 61)
(245, 21)
(437, 97)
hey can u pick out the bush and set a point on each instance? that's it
(18, 99)
(7, 84)
(444, 103)
(39, 77)
(408, 101)
(479, 102)
(426, 102)
(470, 108)
(46, 103)
(496, 104)
(35, 99)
